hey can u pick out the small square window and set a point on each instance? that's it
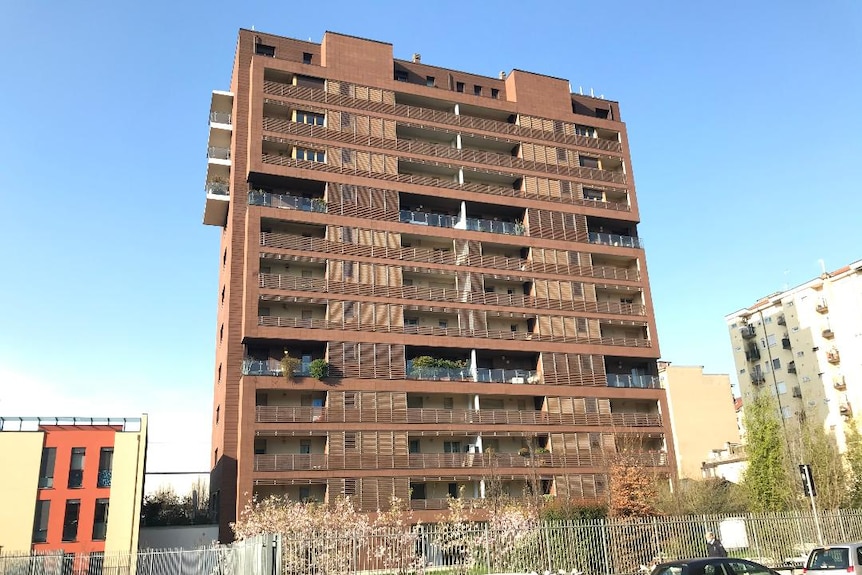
(264, 50)
(495, 93)
(477, 90)
(429, 81)
(459, 86)
(401, 75)
(306, 58)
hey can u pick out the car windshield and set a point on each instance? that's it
(829, 558)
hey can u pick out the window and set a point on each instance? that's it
(350, 440)
(429, 81)
(346, 156)
(310, 155)
(586, 131)
(581, 323)
(304, 494)
(767, 320)
(588, 162)
(562, 155)
(800, 353)
(786, 413)
(448, 403)
(106, 463)
(477, 90)
(411, 321)
(451, 447)
(513, 327)
(593, 194)
(260, 446)
(305, 446)
(454, 492)
(776, 363)
(100, 520)
(442, 324)
(781, 387)
(603, 114)
(311, 118)
(401, 75)
(348, 270)
(46, 468)
(70, 520)
(408, 283)
(218, 415)
(417, 491)
(306, 314)
(76, 467)
(264, 50)
(307, 273)
(495, 93)
(349, 310)
(345, 119)
(459, 86)
(771, 340)
(413, 446)
(40, 521)
(306, 58)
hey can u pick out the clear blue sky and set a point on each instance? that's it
(744, 120)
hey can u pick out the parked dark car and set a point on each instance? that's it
(712, 566)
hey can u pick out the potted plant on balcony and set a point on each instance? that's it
(289, 365)
(318, 369)
(318, 205)
(524, 452)
(519, 228)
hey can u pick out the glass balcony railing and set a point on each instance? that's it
(472, 224)
(637, 381)
(439, 373)
(488, 375)
(495, 227)
(428, 219)
(215, 153)
(615, 240)
(271, 367)
(286, 201)
(218, 188)
(220, 117)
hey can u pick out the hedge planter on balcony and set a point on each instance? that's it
(318, 369)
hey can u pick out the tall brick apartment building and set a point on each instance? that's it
(461, 251)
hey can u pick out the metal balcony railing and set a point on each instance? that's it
(286, 201)
(218, 153)
(637, 381)
(524, 266)
(615, 240)
(322, 462)
(466, 417)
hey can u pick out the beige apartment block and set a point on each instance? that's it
(803, 346)
(702, 414)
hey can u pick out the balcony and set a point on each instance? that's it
(413, 461)
(487, 375)
(845, 409)
(428, 219)
(286, 201)
(604, 239)
(219, 154)
(791, 367)
(271, 367)
(833, 356)
(839, 383)
(748, 332)
(633, 381)
(217, 202)
(782, 320)
(758, 378)
(439, 373)
(797, 392)
(223, 118)
(827, 333)
(785, 343)
(822, 306)
(752, 353)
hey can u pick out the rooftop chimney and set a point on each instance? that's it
(502, 74)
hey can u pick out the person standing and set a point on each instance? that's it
(714, 548)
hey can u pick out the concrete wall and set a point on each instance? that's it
(179, 536)
(22, 454)
(702, 415)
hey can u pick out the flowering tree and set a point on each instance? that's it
(317, 538)
(396, 539)
(457, 537)
(512, 530)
